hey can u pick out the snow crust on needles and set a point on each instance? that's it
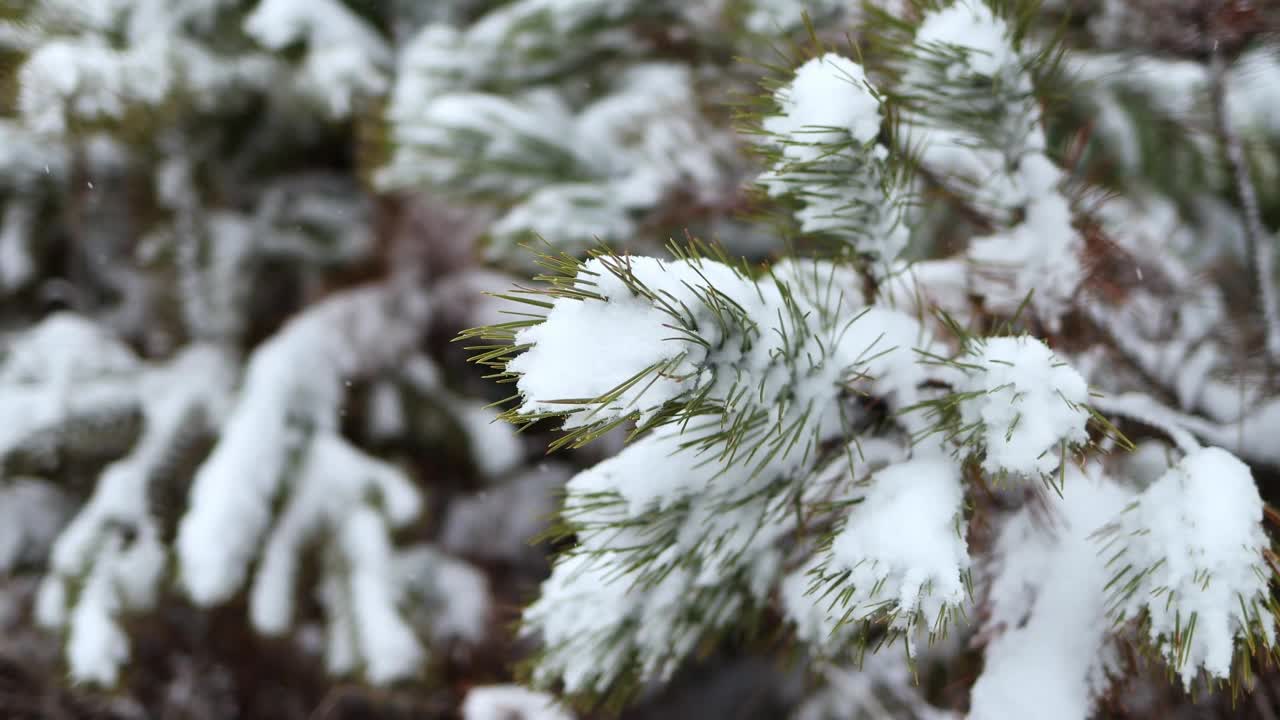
(1197, 530)
(907, 531)
(827, 103)
(587, 348)
(970, 25)
(1028, 403)
(826, 135)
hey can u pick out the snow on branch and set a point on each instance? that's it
(282, 439)
(1026, 406)
(1047, 645)
(972, 110)
(901, 556)
(1186, 558)
(62, 374)
(827, 156)
(346, 59)
(111, 557)
(575, 163)
(740, 382)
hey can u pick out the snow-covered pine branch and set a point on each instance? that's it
(111, 557)
(600, 137)
(1187, 558)
(826, 153)
(744, 390)
(278, 445)
(751, 396)
(894, 430)
(282, 438)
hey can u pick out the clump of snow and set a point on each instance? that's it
(64, 369)
(826, 138)
(1039, 257)
(902, 548)
(1024, 403)
(828, 102)
(1192, 562)
(65, 348)
(629, 333)
(511, 702)
(345, 57)
(970, 27)
(1048, 650)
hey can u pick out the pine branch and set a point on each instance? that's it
(1258, 242)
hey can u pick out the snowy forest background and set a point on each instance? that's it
(254, 461)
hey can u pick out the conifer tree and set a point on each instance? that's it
(931, 345)
(916, 430)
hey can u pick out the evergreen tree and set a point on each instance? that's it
(879, 441)
(898, 338)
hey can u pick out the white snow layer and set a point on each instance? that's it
(1048, 651)
(345, 57)
(826, 136)
(904, 545)
(113, 544)
(283, 436)
(1192, 545)
(827, 102)
(631, 333)
(1027, 404)
(1002, 169)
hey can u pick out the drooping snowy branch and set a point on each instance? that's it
(1047, 650)
(283, 438)
(111, 557)
(973, 112)
(1187, 558)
